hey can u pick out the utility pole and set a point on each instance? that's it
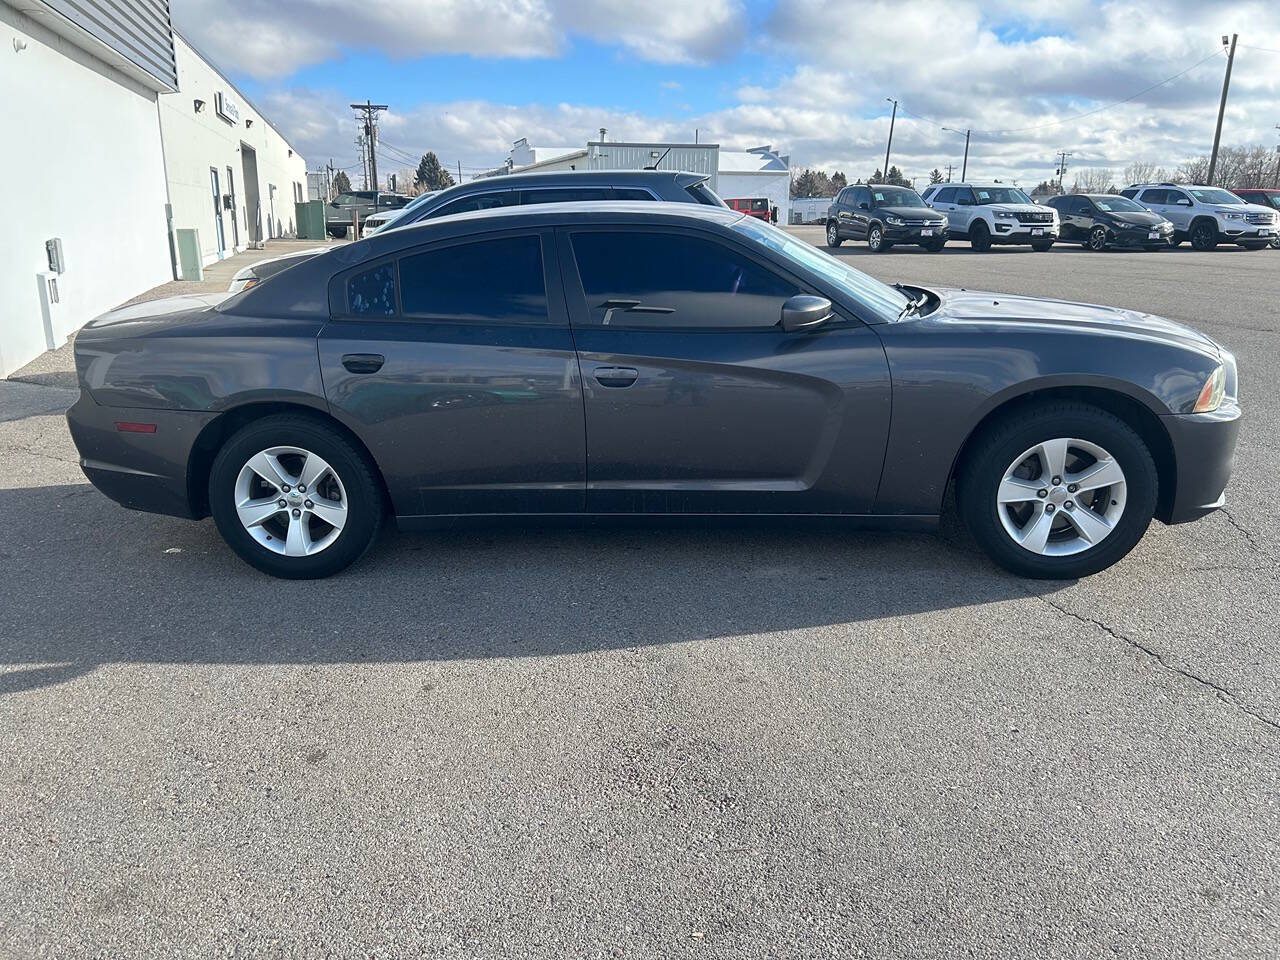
(369, 128)
(1062, 169)
(964, 170)
(1222, 107)
(459, 171)
(892, 119)
(948, 173)
(1278, 159)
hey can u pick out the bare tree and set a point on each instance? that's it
(1095, 180)
(1238, 168)
(1145, 171)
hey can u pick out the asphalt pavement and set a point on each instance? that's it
(651, 742)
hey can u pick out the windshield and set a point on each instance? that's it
(1118, 205)
(1215, 196)
(1274, 199)
(406, 212)
(1000, 195)
(895, 197)
(882, 301)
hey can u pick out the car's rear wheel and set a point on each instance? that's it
(338, 233)
(979, 236)
(1098, 239)
(1058, 491)
(833, 234)
(294, 497)
(1040, 246)
(1204, 236)
(876, 240)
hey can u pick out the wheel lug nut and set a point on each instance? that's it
(302, 488)
(297, 514)
(281, 502)
(308, 504)
(1042, 494)
(284, 487)
(1069, 505)
(1057, 481)
(1048, 508)
(1072, 487)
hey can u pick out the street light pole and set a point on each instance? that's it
(889, 145)
(964, 169)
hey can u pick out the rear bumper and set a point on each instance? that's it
(1204, 446)
(141, 471)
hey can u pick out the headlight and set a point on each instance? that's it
(1003, 215)
(894, 221)
(1232, 216)
(944, 223)
(1211, 393)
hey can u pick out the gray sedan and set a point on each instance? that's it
(620, 359)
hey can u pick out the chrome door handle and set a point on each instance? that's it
(615, 376)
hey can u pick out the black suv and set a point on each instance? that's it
(884, 214)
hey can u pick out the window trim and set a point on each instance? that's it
(580, 311)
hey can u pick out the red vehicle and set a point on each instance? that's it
(1263, 196)
(752, 206)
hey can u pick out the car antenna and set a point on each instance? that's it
(654, 165)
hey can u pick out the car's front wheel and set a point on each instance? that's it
(294, 497)
(1058, 491)
(979, 236)
(1040, 246)
(833, 234)
(876, 240)
(1204, 236)
(1098, 239)
(937, 245)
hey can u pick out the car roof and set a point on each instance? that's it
(511, 181)
(600, 210)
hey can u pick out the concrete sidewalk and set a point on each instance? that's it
(56, 368)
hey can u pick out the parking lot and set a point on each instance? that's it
(641, 742)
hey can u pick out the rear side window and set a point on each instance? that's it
(704, 194)
(497, 281)
(1155, 196)
(479, 201)
(675, 280)
(570, 195)
(373, 292)
(631, 193)
(1129, 193)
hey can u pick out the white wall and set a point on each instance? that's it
(774, 185)
(81, 162)
(194, 142)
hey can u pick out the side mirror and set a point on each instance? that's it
(1184, 202)
(803, 312)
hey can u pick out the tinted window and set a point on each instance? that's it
(945, 195)
(570, 195)
(631, 193)
(479, 201)
(704, 194)
(1155, 196)
(862, 195)
(495, 280)
(373, 292)
(675, 280)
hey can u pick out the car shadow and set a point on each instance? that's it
(89, 583)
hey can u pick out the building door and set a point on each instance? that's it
(235, 221)
(217, 213)
(252, 207)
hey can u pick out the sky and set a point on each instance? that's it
(465, 78)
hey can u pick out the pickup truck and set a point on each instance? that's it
(340, 210)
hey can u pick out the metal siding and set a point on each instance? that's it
(141, 31)
(629, 156)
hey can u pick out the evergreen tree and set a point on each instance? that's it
(935, 175)
(431, 174)
(838, 182)
(341, 183)
(895, 176)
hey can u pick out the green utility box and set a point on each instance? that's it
(309, 217)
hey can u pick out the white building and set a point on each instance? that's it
(612, 155)
(98, 99)
(232, 175)
(758, 172)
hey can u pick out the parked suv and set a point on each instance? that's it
(340, 210)
(1207, 216)
(986, 214)
(518, 189)
(1263, 197)
(884, 214)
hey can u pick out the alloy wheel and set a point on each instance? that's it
(875, 238)
(1061, 497)
(831, 235)
(1098, 239)
(291, 501)
(1204, 237)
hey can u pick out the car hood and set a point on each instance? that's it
(1139, 218)
(981, 307)
(915, 213)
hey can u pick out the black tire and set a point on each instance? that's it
(991, 453)
(833, 234)
(979, 236)
(1097, 239)
(365, 502)
(1275, 244)
(935, 246)
(1204, 235)
(338, 233)
(1040, 246)
(1152, 246)
(1256, 245)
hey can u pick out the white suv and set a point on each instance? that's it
(1207, 216)
(986, 214)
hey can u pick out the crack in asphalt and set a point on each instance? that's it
(1248, 534)
(1221, 692)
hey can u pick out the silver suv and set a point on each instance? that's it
(993, 213)
(1207, 216)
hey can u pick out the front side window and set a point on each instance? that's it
(496, 281)
(634, 279)
(479, 201)
(372, 293)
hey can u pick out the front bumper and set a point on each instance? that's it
(141, 471)
(1241, 230)
(1204, 446)
(1139, 236)
(916, 233)
(1015, 231)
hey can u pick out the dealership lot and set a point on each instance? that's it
(639, 742)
